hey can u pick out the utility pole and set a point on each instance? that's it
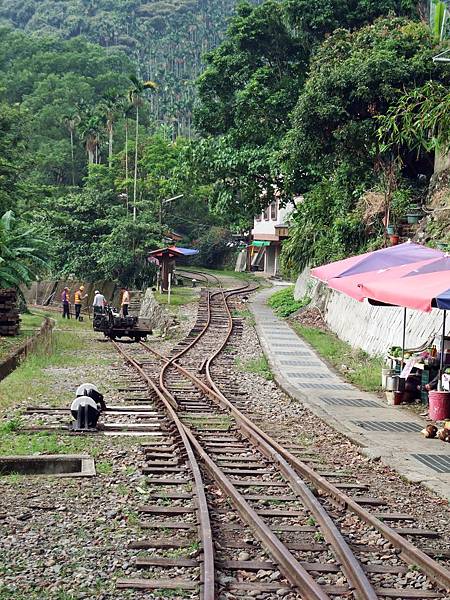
(166, 201)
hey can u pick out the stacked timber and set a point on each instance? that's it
(9, 312)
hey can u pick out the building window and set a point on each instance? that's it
(273, 210)
(266, 213)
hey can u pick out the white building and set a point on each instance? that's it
(270, 228)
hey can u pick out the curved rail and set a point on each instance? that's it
(195, 340)
(208, 590)
(206, 277)
(410, 553)
(351, 566)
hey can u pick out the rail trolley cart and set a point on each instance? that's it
(113, 325)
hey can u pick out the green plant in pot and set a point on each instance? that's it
(399, 204)
(413, 214)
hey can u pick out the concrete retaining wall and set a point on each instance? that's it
(372, 328)
(41, 337)
(39, 292)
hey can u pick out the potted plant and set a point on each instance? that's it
(399, 202)
(395, 238)
(413, 214)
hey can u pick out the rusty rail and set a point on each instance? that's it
(208, 590)
(408, 551)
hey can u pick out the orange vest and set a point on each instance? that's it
(78, 297)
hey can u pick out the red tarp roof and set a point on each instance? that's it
(409, 275)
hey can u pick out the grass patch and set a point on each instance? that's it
(284, 303)
(64, 349)
(18, 444)
(64, 324)
(104, 467)
(258, 365)
(30, 323)
(179, 295)
(355, 365)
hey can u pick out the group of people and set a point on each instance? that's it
(98, 304)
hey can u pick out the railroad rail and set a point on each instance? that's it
(200, 276)
(236, 453)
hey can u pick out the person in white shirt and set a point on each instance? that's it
(99, 302)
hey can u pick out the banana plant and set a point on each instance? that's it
(439, 19)
(22, 253)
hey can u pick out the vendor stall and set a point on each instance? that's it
(408, 275)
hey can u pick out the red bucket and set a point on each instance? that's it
(439, 405)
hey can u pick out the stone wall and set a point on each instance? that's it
(372, 328)
(157, 314)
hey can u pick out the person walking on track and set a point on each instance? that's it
(78, 301)
(65, 300)
(99, 303)
(125, 301)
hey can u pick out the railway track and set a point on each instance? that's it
(200, 276)
(296, 540)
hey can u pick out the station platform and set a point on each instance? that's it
(389, 433)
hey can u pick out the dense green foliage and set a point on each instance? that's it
(326, 101)
(51, 79)
(332, 153)
(418, 120)
(284, 303)
(77, 159)
(251, 84)
(290, 103)
(22, 254)
(166, 39)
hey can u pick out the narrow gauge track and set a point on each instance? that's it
(246, 451)
(200, 276)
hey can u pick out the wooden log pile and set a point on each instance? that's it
(9, 312)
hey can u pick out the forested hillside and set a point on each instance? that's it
(339, 102)
(166, 39)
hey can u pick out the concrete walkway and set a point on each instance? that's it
(388, 432)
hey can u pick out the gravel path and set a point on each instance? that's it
(63, 538)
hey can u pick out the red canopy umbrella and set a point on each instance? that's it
(378, 260)
(408, 275)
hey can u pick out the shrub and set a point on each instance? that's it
(284, 303)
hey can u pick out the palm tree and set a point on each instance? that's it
(22, 253)
(91, 132)
(109, 105)
(71, 122)
(126, 112)
(136, 96)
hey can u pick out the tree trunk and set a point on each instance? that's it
(126, 160)
(91, 156)
(110, 144)
(136, 162)
(71, 152)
